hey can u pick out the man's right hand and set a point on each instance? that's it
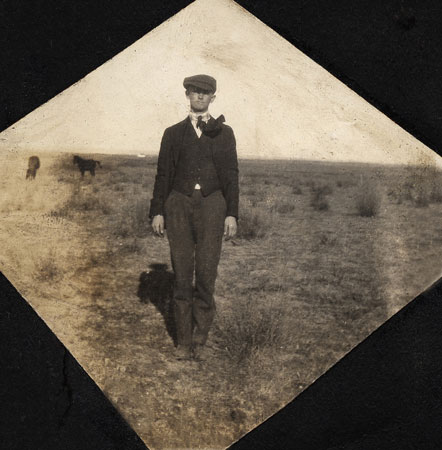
(158, 225)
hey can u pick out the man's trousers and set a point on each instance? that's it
(195, 227)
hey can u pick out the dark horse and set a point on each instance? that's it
(33, 166)
(85, 165)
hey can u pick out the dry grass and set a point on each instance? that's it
(249, 328)
(296, 291)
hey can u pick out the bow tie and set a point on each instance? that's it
(201, 124)
(212, 127)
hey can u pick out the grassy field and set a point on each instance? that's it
(325, 254)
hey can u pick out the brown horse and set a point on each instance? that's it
(33, 166)
(85, 165)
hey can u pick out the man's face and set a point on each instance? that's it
(199, 99)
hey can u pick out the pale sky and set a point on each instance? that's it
(279, 103)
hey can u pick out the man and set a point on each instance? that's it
(196, 197)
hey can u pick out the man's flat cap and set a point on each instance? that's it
(201, 81)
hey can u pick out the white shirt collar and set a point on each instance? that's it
(194, 116)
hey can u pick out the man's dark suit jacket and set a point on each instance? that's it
(223, 149)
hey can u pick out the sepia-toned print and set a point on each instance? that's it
(210, 221)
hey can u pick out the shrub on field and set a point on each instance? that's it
(368, 199)
(77, 202)
(85, 202)
(345, 183)
(436, 193)
(250, 191)
(91, 258)
(428, 186)
(323, 190)
(296, 189)
(118, 187)
(421, 199)
(46, 268)
(59, 213)
(249, 327)
(252, 223)
(398, 193)
(132, 245)
(320, 204)
(123, 228)
(422, 186)
(309, 183)
(283, 207)
(318, 200)
(254, 194)
(329, 240)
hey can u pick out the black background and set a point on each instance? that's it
(384, 394)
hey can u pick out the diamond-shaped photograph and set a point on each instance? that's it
(210, 220)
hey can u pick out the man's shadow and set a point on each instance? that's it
(156, 286)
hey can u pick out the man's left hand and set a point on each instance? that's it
(230, 227)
